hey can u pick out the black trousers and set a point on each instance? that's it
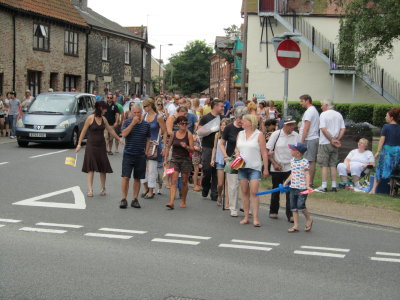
(278, 178)
(210, 179)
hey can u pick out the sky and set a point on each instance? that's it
(174, 22)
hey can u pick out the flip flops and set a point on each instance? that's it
(292, 229)
(308, 227)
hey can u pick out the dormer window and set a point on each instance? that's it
(40, 37)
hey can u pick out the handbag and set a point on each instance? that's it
(228, 169)
(237, 163)
(273, 149)
(152, 151)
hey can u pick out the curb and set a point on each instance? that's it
(6, 140)
(348, 220)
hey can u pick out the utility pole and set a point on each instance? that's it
(244, 54)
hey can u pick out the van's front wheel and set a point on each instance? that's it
(74, 138)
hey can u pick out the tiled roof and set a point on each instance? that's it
(138, 30)
(96, 20)
(223, 42)
(56, 9)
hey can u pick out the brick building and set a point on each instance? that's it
(43, 45)
(222, 69)
(117, 58)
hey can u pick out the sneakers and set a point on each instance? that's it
(334, 189)
(135, 203)
(321, 190)
(123, 203)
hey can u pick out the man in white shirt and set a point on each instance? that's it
(280, 156)
(332, 128)
(309, 132)
(173, 106)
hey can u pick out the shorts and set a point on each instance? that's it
(297, 200)
(182, 164)
(328, 155)
(196, 158)
(135, 163)
(219, 166)
(249, 174)
(312, 150)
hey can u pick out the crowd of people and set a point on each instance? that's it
(223, 149)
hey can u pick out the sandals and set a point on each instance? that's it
(169, 206)
(292, 229)
(148, 197)
(90, 194)
(308, 227)
(103, 192)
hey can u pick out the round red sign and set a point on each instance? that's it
(288, 54)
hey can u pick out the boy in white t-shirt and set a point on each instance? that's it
(299, 182)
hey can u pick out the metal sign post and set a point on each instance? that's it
(285, 93)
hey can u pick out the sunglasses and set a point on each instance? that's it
(144, 106)
(159, 104)
(109, 97)
(183, 123)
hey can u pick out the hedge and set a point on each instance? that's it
(355, 112)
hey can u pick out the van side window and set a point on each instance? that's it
(81, 104)
(89, 104)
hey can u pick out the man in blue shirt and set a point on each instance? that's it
(137, 141)
(227, 108)
(239, 102)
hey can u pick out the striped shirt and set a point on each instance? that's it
(135, 141)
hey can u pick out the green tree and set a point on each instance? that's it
(368, 29)
(189, 70)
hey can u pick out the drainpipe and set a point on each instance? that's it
(87, 62)
(141, 71)
(14, 52)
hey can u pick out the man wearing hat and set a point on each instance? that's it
(279, 154)
(13, 113)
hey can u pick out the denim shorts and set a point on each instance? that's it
(249, 174)
(297, 200)
(219, 166)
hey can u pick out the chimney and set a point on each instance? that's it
(82, 4)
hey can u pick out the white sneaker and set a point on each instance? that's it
(321, 190)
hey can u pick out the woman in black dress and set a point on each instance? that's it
(96, 159)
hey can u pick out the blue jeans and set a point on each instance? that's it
(249, 174)
(13, 123)
(297, 200)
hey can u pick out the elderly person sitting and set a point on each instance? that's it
(356, 162)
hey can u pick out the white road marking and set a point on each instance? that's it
(123, 230)
(2, 225)
(315, 253)
(76, 191)
(172, 241)
(50, 153)
(285, 53)
(386, 259)
(255, 242)
(44, 230)
(4, 163)
(244, 247)
(387, 253)
(58, 225)
(325, 248)
(196, 237)
(10, 221)
(109, 236)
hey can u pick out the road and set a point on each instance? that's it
(94, 250)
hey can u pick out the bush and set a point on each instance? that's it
(343, 108)
(361, 112)
(380, 110)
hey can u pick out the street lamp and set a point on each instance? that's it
(159, 67)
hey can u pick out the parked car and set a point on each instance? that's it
(55, 118)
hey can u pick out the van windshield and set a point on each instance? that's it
(53, 104)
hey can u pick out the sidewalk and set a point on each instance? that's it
(6, 140)
(349, 212)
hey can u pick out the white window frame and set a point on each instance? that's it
(126, 87)
(104, 47)
(71, 42)
(144, 58)
(127, 52)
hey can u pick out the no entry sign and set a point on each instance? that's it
(288, 54)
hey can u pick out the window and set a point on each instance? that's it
(91, 87)
(40, 37)
(70, 82)
(104, 46)
(127, 52)
(126, 87)
(137, 88)
(34, 82)
(71, 42)
(89, 103)
(1, 84)
(144, 58)
(54, 81)
(107, 85)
